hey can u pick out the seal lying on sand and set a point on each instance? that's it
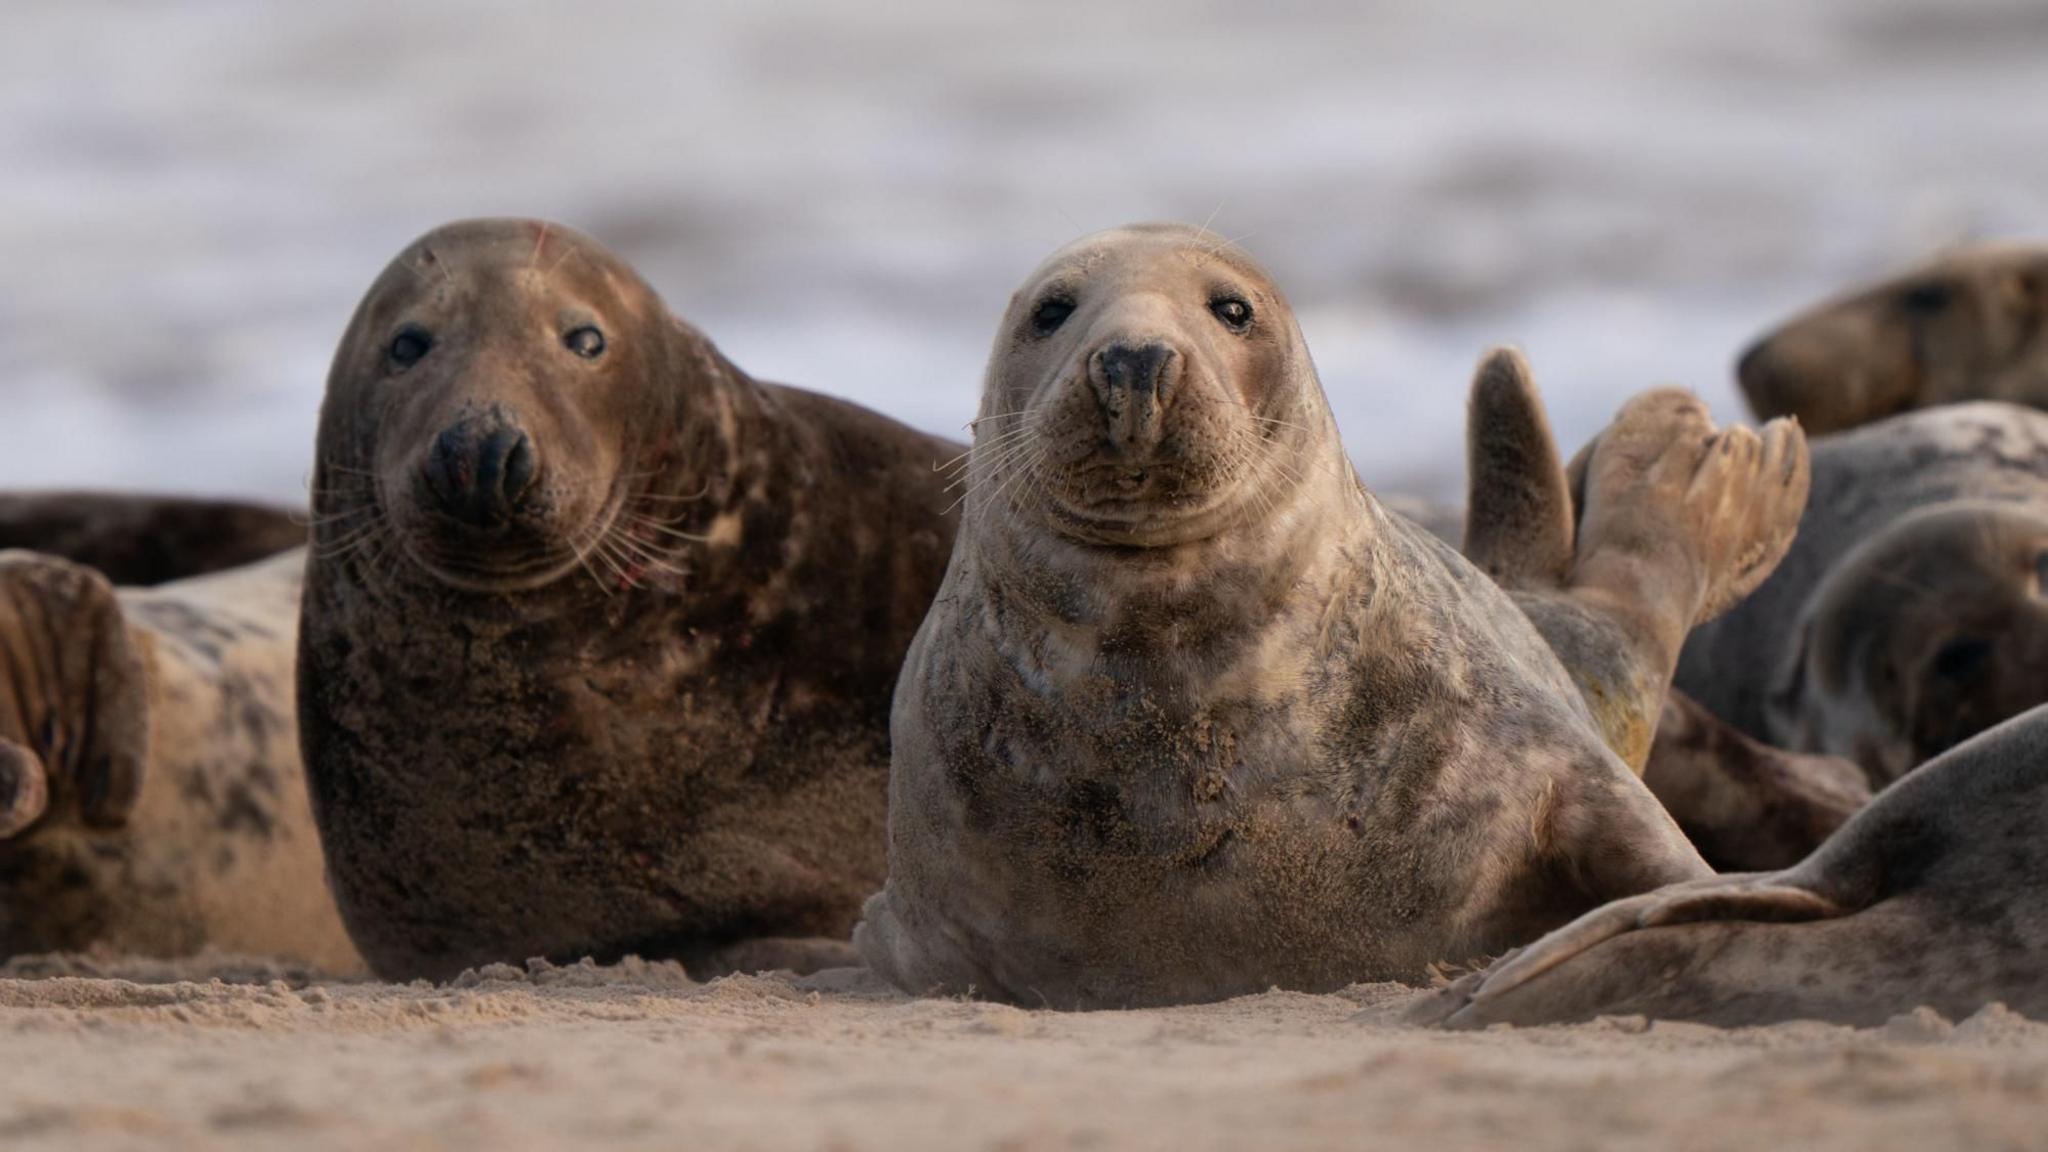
(1936, 894)
(142, 540)
(1909, 614)
(151, 799)
(1192, 716)
(1970, 326)
(600, 633)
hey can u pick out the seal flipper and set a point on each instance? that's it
(1506, 991)
(24, 789)
(1518, 523)
(74, 692)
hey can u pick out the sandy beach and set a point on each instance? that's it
(107, 1054)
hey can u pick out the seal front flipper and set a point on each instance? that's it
(24, 788)
(74, 696)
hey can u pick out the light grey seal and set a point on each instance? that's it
(1192, 716)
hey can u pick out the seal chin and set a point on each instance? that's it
(518, 557)
(1141, 521)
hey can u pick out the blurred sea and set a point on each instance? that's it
(193, 195)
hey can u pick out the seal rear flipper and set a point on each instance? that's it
(1519, 524)
(75, 685)
(1507, 990)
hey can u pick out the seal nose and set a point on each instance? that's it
(1134, 383)
(1757, 373)
(481, 469)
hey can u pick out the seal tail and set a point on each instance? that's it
(1519, 524)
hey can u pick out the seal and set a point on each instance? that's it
(1936, 894)
(1909, 612)
(136, 540)
(1193, 716)
(151, 795)
(1972, 325)
(599, 633)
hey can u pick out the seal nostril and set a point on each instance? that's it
(1134, 368)
(449, 471)
(518, 473)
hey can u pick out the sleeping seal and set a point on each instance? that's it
(1192, 716)
(599, 634)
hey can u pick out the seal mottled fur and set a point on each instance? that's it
(600, 633)
(1935, 895)
(151, 797)
(1193, 716)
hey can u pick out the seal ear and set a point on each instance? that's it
(1519, 524)
(73, 672)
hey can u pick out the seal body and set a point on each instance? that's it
(171, 810)
(1935, 895)
(600, 633)
(135, 539)
(1192, 715)
(1908, 614)
(1972, 325)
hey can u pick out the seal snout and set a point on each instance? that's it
(1135, 382)
(481, 469)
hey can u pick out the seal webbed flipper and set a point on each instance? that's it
(1508, 989)
(1518, 525)
(79, 675)
(24, 789)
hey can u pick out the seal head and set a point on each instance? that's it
(1970, 326)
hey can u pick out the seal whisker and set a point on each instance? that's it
(662, 526)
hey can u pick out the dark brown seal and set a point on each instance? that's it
(151, 798)
(137, 540)
(600, 634)
(1972, 325)
(1909, 613)
(1193, 716)
(1935, 895)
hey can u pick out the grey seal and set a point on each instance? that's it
(1193, 716)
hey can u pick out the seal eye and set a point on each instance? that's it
(1233, 311)
(409, 347)
(586, 342)
(1926, 298)
(1050, 314)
